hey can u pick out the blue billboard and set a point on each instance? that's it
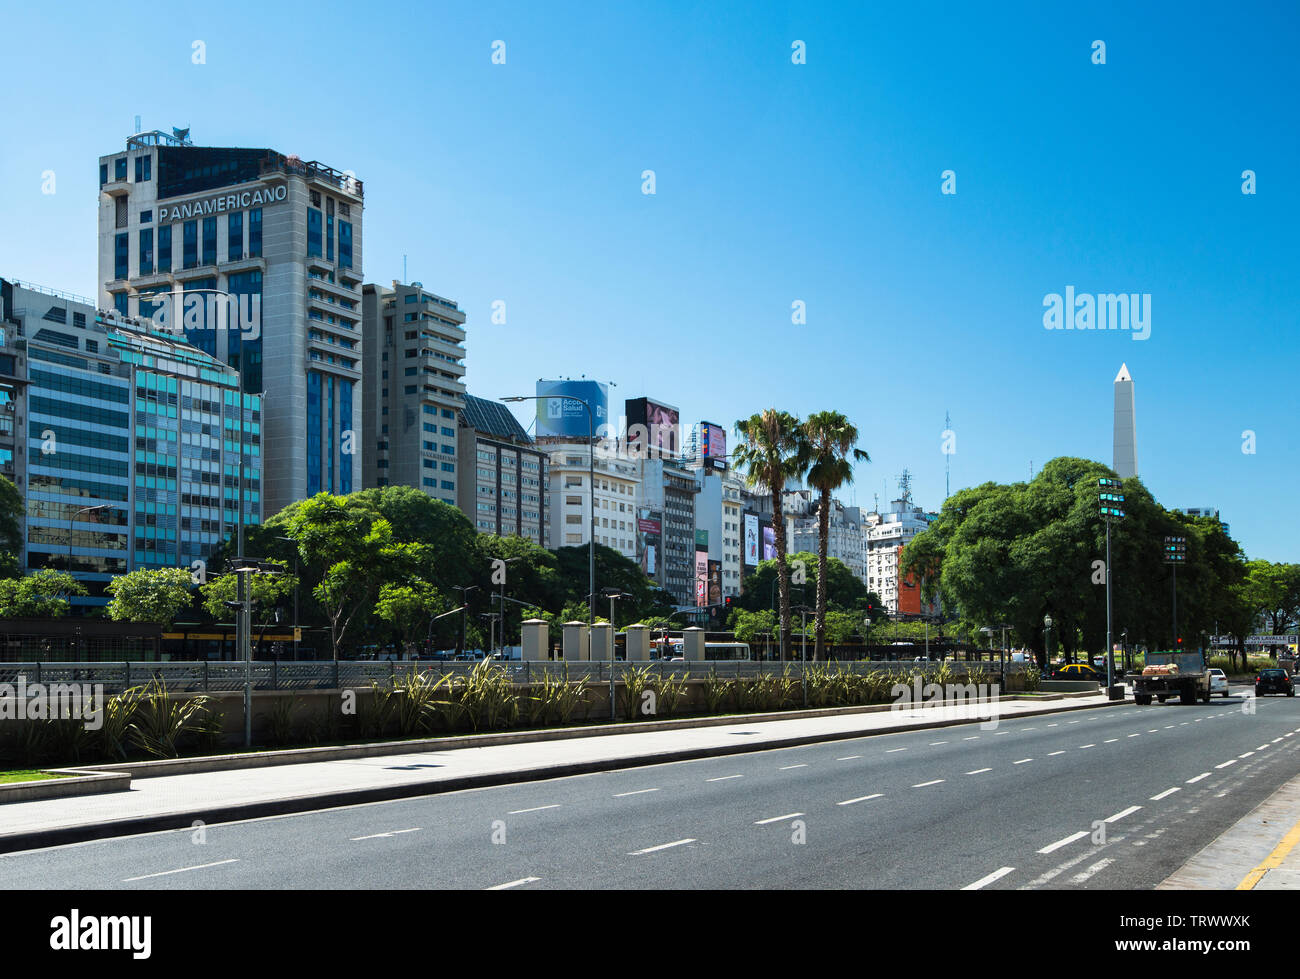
(559, 415)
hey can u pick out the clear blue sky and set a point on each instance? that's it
(775, 183)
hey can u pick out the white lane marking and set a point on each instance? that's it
(933, 743)
(1275, 741)
(1246, 755)
(1261, 747)
(1053, 725)
(892, 750)
(182, 870)
(1227, 763)
(776, 819)
(1165, 794)
(1154, 731)
(1000, 733)
(661, 846)
(380, 836)
(619, 795)
(985, 881)
(922, 785)
(861, 798)
(1122, 813)
(1052, 847)
(519, 812)
(1052, 753)
(1168, 726)
(1097, 867)
(786, 768)
(1028, 729)
(723, 778)
(1135, 735)
(848, 757)
(513, 883)
(1110, 740)
(979, 771)
(1022, 761)
(1193, 781)
(1073, 722)
(974, 737)
(1082, 746)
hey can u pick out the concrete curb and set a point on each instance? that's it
(35, 839)
(299, 756)
(80, 782)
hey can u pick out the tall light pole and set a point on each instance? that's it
(613, 594)
(1047, 642)
(294, 542)
(1112, 506)
(85, 509)
(591, 494)
(1175, 554)
(464, 604)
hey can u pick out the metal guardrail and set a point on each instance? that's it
(227, 676)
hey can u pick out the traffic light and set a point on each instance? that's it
(1180, 641)
(729, 601)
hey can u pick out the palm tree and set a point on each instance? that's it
(831, 450)
(772, 451)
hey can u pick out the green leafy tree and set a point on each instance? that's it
(409, 609)
(831, 446)
(11, 538)
(43, 594)
(149, 595)
(266, 591)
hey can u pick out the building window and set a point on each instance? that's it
(235, 237)
(329, 235)
(345, 244)
(313, 232)
(209, 241)
(190, 245)
(121, 256)
(143, 169)
(146, 217)
(146, 251)
(119, 169)
(120, 303)
(165, 248)
(103, 174)
(255, 233)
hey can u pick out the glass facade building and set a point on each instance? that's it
(270, 265)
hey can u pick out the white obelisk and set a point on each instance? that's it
(1125, 462)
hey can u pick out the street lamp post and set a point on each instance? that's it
(1047, 642)
(294, 542)
(591, 494)
(803, 650)
(464, 604)
(613, 594)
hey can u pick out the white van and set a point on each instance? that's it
(727, 650)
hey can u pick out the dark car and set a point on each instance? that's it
(1274, 681)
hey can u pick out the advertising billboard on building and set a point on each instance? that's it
(559, 416)
(701, 578)
(649, 535)
(653, 429)
(751, 540)
(713, 446)
(769, 542)
(715, 582)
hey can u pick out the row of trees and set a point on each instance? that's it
(1013, 553)
(374, 567)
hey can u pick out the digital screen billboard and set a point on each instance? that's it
(713, 445)
(769, 542)
(649, 535)
(653, 429)
(562, 417)
(751, 539)
(715, 582)
(701, 578)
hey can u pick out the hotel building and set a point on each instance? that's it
(275, 237)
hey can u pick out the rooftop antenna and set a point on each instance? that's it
(137, 124)
(905, 488)
(1031, 470)
(403, 270)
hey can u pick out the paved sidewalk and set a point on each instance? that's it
(175, 801)
(1261, 851)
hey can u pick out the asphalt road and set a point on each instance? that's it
(1117, 797)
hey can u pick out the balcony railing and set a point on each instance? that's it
(313, 170)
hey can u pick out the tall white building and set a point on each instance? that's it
(719, 511)
(617, 489)
(846, 532)
(887, 534)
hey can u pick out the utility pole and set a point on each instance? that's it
(1112, 505)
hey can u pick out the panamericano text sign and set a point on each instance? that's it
(222, 203)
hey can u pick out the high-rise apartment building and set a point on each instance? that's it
(255, 257)
(415, 370)
(503, 474)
